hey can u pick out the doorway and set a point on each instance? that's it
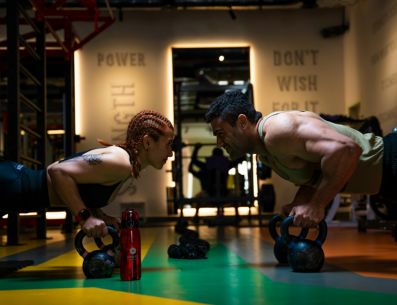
(199, 76)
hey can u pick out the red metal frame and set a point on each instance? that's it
(57, 17)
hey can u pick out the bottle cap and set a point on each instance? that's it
(129, 218)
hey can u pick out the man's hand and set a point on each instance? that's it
(305, 215)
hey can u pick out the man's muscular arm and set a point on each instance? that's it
(299, 139)
(338, 163)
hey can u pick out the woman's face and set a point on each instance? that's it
(159, 151)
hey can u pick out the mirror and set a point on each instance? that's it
(200, 75)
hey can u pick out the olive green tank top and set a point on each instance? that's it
(369, 165)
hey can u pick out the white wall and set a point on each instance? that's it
(372, 55)
(113, 90)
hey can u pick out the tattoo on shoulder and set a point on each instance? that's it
(92, 159)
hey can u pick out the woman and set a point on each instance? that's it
(87, 181)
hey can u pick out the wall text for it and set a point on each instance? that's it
(295, 105)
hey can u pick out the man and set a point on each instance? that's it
(320, 157)
(217, 162)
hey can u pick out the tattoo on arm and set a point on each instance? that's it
(92, 159)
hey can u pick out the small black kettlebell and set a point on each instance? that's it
(99, 243)
(304, 255)
(280, 248)
(98, 263)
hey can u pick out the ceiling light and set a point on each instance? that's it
(55, 131)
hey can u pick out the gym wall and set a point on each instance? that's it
(128, 68)
(371, 60)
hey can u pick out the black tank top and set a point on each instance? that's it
(94, 195)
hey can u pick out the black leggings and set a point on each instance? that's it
(21, 188)
(389, 177)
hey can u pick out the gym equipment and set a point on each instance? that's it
(9, 266)
(98, 263)
(181, 225)
(182, 115)
(174, 251)
(280, 249)
(384, 208)
(190, 246)
(263, 171)
(304, 255)
(186, 251)
(267, 198)
(189, 234)
(192, 239)
(99, 243)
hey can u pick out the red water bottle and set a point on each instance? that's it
(130, 246)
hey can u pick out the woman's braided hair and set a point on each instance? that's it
(145, 122)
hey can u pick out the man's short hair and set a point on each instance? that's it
(230, 105)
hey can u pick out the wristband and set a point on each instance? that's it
(84, 214)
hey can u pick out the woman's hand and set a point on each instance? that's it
(95, 227)
(109, 220)
(112, 221)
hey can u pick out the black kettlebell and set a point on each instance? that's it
(304, 255)
(98, 263)
(280, 248)
(190, 237)
(181, 225)
(186, 251)
(99, 243)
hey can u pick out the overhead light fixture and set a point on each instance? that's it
(232, 14)
(55, 131)
(337, 30)
(49, 215)
(221, 58)
(309, 4)
(121, 15)
(223, 82)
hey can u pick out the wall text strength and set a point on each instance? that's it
(123, 103)
(121, 59)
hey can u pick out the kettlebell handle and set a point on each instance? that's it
(272, 228)
(99, 242)
(322, 230)
(78, 241)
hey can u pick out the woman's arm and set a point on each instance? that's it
(101, 166)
